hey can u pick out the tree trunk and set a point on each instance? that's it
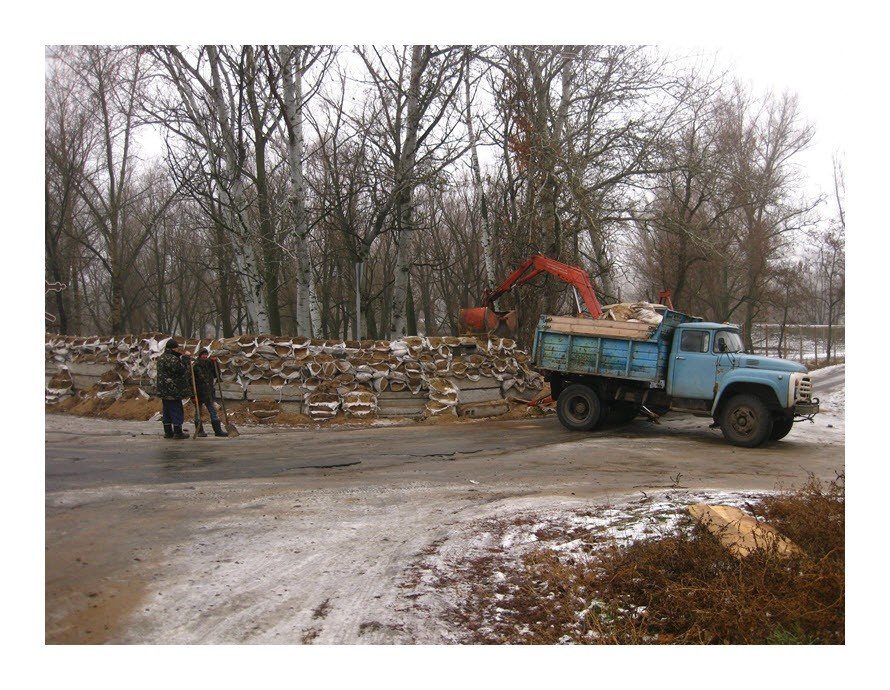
(487, 249)
(267, 236)
(243, 250)
(308, 315)
(409, 310)
(404, 188)
(222, 271)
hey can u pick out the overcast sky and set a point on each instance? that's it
(815, 74)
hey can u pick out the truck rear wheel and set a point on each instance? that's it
(745, 421)
(781, 427)
(579, 408)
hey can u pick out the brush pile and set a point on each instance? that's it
(320, 378)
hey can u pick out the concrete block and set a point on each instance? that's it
(527, 394)
(476, 395)
(266, 392)
(291, 406)
(484, 409)
(401, 408)
(232, 391)
(484, 383)
(89, 369)
(402, 395)
(83, 382)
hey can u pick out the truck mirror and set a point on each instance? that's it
(721, 344)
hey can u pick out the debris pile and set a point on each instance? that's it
(414, 375)
(59, 387)
(640, 312)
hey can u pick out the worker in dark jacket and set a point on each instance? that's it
(174, 384)
(205, 382)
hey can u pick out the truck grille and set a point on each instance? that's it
(804, 390)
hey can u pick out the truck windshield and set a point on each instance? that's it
(728, 341)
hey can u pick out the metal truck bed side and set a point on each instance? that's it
(601, 355)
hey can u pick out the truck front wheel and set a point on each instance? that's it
(781, 427)
(746, 421)
(579, 408)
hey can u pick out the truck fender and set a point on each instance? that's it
(766, 384)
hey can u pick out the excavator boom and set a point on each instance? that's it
(487, 319)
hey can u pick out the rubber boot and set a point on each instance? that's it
(178, 433)
(217, 428)
(201, 432)
(168, 431)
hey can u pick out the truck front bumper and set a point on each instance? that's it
(803, 409)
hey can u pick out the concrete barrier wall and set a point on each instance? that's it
(470, 376)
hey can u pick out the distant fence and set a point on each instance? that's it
(801, 342)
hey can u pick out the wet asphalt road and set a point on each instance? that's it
(135, 453)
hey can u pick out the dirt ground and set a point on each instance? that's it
(317, 535)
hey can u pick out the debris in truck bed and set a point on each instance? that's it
(644, 312)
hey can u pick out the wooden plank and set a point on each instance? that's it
(740, 533)
(582, 326)
(596, 331)
(604, 323)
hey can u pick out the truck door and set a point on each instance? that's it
(693, 366)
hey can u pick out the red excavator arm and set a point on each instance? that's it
(487, 320)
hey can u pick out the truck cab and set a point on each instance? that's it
(752, 398)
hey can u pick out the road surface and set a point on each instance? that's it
(290, 536)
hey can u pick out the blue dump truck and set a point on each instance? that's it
(599, 368)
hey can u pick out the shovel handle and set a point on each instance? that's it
(222, 401)
(198, 422)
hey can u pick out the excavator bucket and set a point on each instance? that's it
(485, 321)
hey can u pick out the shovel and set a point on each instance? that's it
(230, 428)
(199, 425)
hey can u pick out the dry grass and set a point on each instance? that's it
(681, 588)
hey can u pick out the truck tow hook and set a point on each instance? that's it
(650, 414)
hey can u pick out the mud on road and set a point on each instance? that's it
(314, 536)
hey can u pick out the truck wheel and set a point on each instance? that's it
(745, 421)
(622, 413)
(781, 427)
(579, 408)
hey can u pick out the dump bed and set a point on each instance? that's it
(619, 349)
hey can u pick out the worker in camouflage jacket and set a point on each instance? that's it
(173, 383)
(205, 384)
